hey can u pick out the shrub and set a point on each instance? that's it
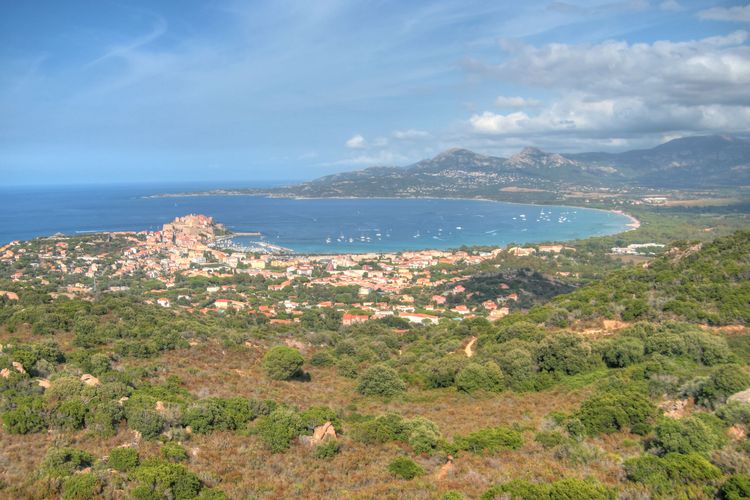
(315, 416)
(614, 411)
(518, 489)
(102, 419)
(80, 487)
(519, 366)
(278, 429)
(322, 358)
(27, 416)
(422, 434)
(173, 452)
(442, 372)
(734, 412)
(473, 377)
(62, 462)
(662, 473)
(388, 427)
(405, 468)
(380, 380)
(736, 487)
(564, 353)
(578, 489)
(69, 415)
(144, 419)
(490, 439)
(157, 479)
(327, 450)
(722, 383)
(123, 459)
(211, 414)
(686, 436)
(282, 363)
(549, 439)
(623, 352)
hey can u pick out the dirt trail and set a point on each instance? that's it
(469, 349)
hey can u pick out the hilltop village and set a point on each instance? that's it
(362, 286)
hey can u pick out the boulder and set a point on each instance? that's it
(160, 407)
(320, 434)
(445, 469)
(5, 373)
(737, 433)
(18, 366)
(741, 397)
(43, 382)
(675, 408)
(89, 379)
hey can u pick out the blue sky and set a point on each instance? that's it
(114, 91)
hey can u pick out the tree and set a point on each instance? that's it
(473, 377)
(380, 380)
(283, 363)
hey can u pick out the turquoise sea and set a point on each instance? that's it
(303, 225)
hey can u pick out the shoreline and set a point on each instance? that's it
(632, 225)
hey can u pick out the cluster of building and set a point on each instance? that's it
(186, 247)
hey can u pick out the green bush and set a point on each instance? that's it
(322, 358)
(687, 435)
(157, 479)
(442, 372)
(490, 439)
(315, 416)
(736, 487)
(144, 419)
(722, 383)
(734, 412)
(578, 489)
(405, 468)
(422, 434)
(518, 489)
(69, 415)
(613, 411)
(283, 363)
(211, 414)
(549, 439)
(102, 419)
(174, 452)
(381, 429)
(27, 416)
(278, 429)
(564, 353)
(80, 487)
(519, 367)
(123, 459)
(62, 462)
(380, 380)
(327, 450)
(623, 352)
(663, 473)
(474, 377)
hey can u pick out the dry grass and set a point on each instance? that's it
(241, 467)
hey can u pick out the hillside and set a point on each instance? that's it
(703, 283)
(114, 396)
(694, 162)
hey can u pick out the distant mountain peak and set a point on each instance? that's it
(536, 158)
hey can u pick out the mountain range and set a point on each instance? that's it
(691, 162)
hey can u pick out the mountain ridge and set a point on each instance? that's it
(691, 162)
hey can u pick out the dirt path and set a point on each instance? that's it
(469, 349)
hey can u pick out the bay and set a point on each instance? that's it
(303, 225)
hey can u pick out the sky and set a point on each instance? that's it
(240, 91)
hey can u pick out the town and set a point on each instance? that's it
(419, 287)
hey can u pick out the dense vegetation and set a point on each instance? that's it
(116, 397)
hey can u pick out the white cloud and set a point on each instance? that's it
(410, 134)
(356, 142)
(670, 5)
(516, 102)
(735, 14)
(620, 89)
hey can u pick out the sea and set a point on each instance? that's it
(301, 225)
